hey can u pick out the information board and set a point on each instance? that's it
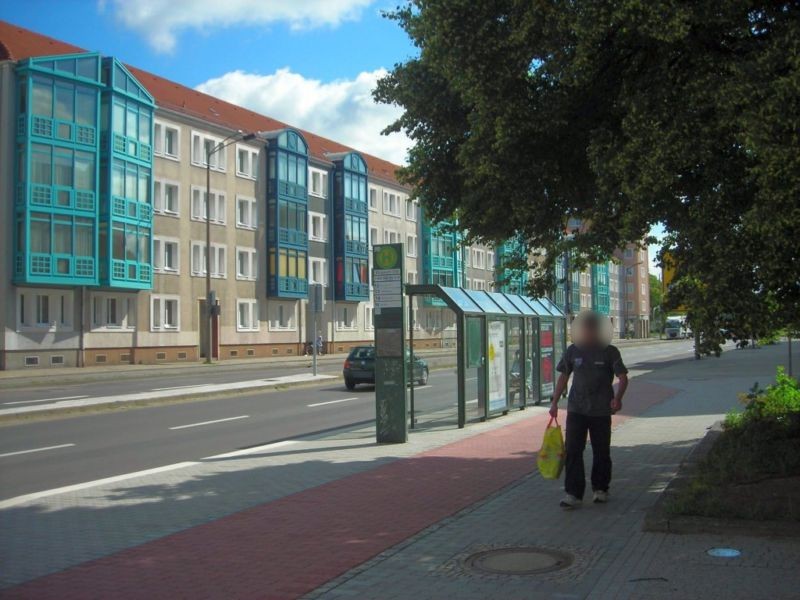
(546, 358)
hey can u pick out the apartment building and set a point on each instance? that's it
(634, 283)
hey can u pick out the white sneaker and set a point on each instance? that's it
(600, 497)
(569, 502)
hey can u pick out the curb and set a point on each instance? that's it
(657, 519)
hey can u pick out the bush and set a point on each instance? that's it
(780, 402)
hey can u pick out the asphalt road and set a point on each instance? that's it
(43, 455)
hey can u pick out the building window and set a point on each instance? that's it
(411, 210)
(166, 198)
(411, 277)
(317, 227)
(478, 259)
(166, 140)
(246, 213)
(391, 237)
(478, 284)
(631, 288)
(246, 264)
(369, 317)
(629, 306)
(374, 234)
(391, 204)
(373, 199)
(50, 310)
(166, 256)
(281, 316)
(319, 183)
(489, 261)
(465, 256)
(165, 313)
(319, 271)
(218, 260)
(200, 206)
(247, 315)
(346, 318)
(202, 144)
(246, 162)
(628, 252)
(113, 312)
(411, 245)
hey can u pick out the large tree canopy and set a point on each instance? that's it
(623, 114)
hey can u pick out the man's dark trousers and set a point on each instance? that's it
(599, 430)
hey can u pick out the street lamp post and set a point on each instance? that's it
(238, 136)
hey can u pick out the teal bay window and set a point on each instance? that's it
(287, 215)
(442, 258)
(351, 227)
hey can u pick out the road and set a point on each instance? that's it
(49, 454)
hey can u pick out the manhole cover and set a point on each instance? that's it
(519, 561)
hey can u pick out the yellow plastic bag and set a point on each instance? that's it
(550, 459)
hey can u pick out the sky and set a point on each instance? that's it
(310, 63)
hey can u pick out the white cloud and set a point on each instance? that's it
(159, 21)
(342, 110)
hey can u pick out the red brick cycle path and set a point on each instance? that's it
(289, 547)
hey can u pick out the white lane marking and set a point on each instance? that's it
(117, 478)
(176, 387)
(210, 422)
(36, 450)
(47, 400)
(472, 401)
(470, 379)
(331, 402)
(421, 387)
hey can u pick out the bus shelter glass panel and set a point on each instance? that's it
(497, 371)
(435, 341)
(546, 357)
(475, 381)
(517, 379)
(533, 360)
(504, 303)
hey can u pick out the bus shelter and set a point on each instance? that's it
(508, 347)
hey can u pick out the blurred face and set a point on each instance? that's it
(590, 334)
(591, 329)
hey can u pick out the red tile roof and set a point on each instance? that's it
(17, 43)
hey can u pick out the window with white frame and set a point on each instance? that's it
(391, 204)
(478, 258)
(373, 199)
(39, 309)
(644, 306)
(318, 271)
(628, 252)
(165, 313)
(317, 226)
(369, 317)
(166, 197)
(319, 182)
(346, 318)
(166, 255)
(202, 144)
(411, 245)
(643, 288)
(247, 315)
(490, 260)
(218, 260)
(246, 162)
(411, 210)
(374, 236)
(281, 316)
(200, 206)
(465, 255)
(411, 277)
(478, 284)
(391, 237)
(246, 213)
(111, 311)
(246, 264)
(166, 140)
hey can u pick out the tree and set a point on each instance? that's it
(622, 114)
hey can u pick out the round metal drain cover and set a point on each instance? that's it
(519, 561)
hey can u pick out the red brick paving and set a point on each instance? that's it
(289, 547)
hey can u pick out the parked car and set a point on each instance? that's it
(359, 367)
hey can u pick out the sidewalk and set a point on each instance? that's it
(338, 516)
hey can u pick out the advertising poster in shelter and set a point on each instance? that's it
(497, 366)
(546, 367)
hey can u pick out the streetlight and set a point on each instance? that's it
(238, 136)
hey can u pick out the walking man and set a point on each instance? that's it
(593, 362)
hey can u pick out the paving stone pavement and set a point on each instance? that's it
(356, 520)
(614, 558)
